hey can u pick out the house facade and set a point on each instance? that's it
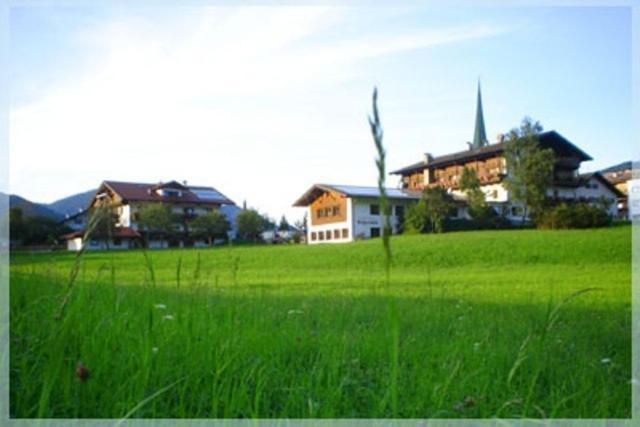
(344, 213)
(126, 199)
(77, 221)
(620, 176)
(490, 165)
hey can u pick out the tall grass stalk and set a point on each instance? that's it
(377, 132)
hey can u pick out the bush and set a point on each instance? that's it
(578, 215)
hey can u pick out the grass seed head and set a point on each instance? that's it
(82, 372)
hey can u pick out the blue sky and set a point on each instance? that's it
(263, 102)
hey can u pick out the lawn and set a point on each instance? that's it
(471, 324)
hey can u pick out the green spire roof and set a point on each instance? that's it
(479, 134)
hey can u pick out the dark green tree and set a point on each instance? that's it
(210, 226)
(415, 218)
(16, 224)
(438, 204)
(156, 219)
(284, 224)
(429, 212)
(529, 168)
(250, 224)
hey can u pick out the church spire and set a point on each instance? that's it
(479, 134)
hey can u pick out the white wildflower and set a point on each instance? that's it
(295, 312)
(154, 350)
(167, 317)
(161, 306)
(605, 361)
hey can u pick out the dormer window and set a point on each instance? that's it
(169, 192)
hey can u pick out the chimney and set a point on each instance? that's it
(500, 138)
(184, 182)
(428, 158)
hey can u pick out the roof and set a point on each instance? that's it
(619, 167)
(583, 178)
(135, 191)
(119, 232)
(80, 212)
(550, 139)
(353, 191)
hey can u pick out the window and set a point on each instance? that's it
(335, 211)
(375, 231)
(321, 235)
(374, 209)
(320, 213)
(516, 211)
(345, 233)
(314, 236)
(328, 234)
(399, 211)
(117, 241)
(336, 234)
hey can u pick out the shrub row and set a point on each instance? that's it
(577, 215)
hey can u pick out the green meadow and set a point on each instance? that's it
(520, 323)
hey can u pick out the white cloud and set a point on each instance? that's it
(217, 96)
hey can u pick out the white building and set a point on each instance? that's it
(127, 198)
(343, 213)
(489, 163)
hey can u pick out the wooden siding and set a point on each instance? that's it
(490, 171)
(329, 208)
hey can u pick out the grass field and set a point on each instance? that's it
(488, 324)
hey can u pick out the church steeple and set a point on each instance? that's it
(479, 134)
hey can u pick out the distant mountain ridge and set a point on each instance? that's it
(55, 210)
(71, 204)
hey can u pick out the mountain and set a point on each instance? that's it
(30, 208)
(56, 210)
(72, 204)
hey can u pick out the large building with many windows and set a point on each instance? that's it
(343, 213)
(490, 165)
(126, 199)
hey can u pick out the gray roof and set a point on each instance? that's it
(550, 139)
(354, 191)
(618, 168)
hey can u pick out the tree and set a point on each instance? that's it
(250, 224)
(284, 224)
(429, 212)
(101, 224)
(210, 226)
(529, 168)
(438, 204)
(16, 224)
(415, 218)
(479, 210)
(301, 225)
(156, 219)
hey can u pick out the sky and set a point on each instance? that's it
(263, 102)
